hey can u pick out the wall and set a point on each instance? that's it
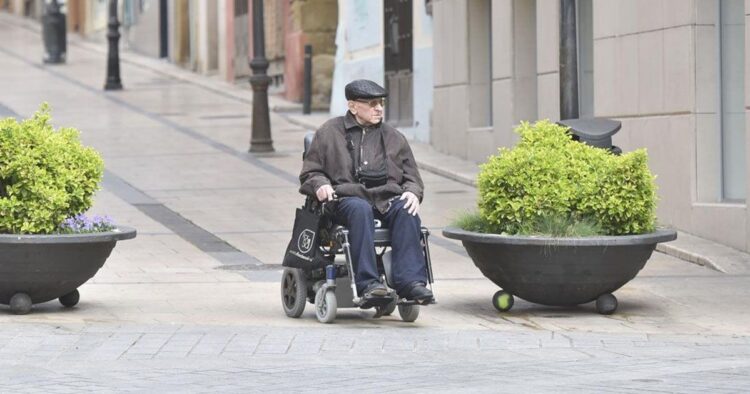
(140, 27)
(204, 31)
(359, 55)
(655, 69)
(314, 23)
(521, 77)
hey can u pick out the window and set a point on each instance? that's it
(731, 35)
(585, 46)
(241, 7)
(480, 63)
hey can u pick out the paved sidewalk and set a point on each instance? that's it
(192, 304)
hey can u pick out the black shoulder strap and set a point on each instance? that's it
(350, 148)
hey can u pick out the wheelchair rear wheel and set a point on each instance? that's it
(293, 291)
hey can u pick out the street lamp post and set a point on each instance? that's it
(113, 55)
(260, 139)
(568, 61)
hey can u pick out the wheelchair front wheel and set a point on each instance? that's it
(390, 308)
(293, 291)
(385, 310)
(409, 313)
(325, 305)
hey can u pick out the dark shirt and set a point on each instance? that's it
(331, 160)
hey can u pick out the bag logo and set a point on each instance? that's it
(305, 241)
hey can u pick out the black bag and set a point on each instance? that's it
(303, 250)
(373, 178)
(366, 176)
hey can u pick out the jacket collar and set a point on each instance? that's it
(350, 122)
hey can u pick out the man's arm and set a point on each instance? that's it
(313, 175)
(412, 180)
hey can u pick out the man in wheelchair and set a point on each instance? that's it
(368, 168)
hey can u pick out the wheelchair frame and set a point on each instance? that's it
(300, 285)
(334, 285)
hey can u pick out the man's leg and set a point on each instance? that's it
(357, 215)
(408, 259)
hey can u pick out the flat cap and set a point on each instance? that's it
(364, 89)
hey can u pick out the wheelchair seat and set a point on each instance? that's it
(382, 235)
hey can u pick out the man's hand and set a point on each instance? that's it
(412, 203)
(325, 193)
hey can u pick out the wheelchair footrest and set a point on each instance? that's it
(370, 302)
(404, 301)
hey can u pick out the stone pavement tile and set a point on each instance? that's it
(310, 348)
(261, 245)
(242, 345)
(369, 343)
(272, 346)
(334, 345)
(209, 347)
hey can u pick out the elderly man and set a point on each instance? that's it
(368, 165)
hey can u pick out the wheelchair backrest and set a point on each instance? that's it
(308, 140)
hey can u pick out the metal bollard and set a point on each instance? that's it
(307, 93)
(54, 34)
(113, 81)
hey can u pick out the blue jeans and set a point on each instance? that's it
(408, 260)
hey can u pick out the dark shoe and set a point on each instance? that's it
(419, 293)
(375, 289)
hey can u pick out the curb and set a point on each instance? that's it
(688, 256)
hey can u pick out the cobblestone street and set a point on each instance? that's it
(219, 359)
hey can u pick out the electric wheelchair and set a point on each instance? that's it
(329, 284)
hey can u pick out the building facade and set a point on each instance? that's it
(29, 8)
(673, 71)
(389, 42)
(216, 37)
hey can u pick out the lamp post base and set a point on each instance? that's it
(53, 60)
(260, 140)
(113, 85)
(261, 146)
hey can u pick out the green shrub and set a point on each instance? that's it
(46, 176)
(473, 221)
(562, 226)
(549, 178)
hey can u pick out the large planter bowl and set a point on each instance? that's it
(40, 268)
(559, 271)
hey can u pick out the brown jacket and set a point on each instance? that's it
(329, 161)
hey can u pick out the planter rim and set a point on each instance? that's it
(660, 235)
(118, 234)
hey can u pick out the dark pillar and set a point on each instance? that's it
(307, 93)
(260, 139)
(163, 32)
(113, 55)
(54, 32)
(568, 61)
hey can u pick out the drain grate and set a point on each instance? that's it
(251, 267)
(232, 116)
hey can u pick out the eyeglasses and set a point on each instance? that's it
(374, 102)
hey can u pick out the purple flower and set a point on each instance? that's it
(82, 224)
